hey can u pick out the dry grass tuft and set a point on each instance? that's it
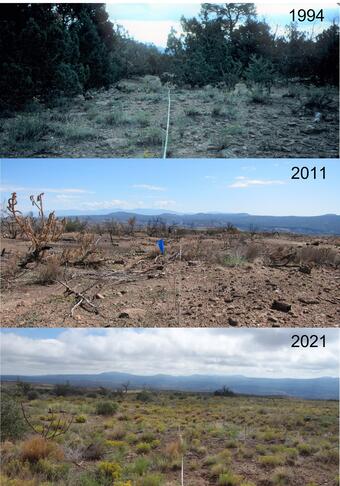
(38, 447)
(49, 272)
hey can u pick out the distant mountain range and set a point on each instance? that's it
(327, 224)
(316, 388)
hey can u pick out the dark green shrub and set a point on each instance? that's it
(32, 395)
(12, 425)
(106, 408)
(259, 74)
(144, 396)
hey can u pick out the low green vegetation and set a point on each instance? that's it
(123, 440)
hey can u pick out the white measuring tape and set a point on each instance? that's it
(167, 126)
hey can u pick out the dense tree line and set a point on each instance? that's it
(227, 42)
(49, 50)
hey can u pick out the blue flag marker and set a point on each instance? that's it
(161, 246)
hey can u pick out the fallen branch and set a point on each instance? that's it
(82, 299)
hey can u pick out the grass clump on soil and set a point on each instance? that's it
(37, 447)
(28, 128)
(151, 136)
(259, 96)
(75, 133)
(226, 137)
(49, 272)
(106, 408)
(229, 479)
(192, 112)
(114, 118)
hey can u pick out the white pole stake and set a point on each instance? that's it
(167, 126)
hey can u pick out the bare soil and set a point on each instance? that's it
(205, 123)
(201, 281)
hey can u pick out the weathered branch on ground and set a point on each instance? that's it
(83, 300)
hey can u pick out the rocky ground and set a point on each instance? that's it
(215, 281)
(129, 120)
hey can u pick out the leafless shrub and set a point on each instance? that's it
(113, 228)
(94, 452)
(156, 227)
(318, 256)
(84, 252)
(252, 251)
(230, 228)
(41, 232)
(9, 227)
(58, 424)
(49, 272)
(9, 270)
(131, 225)
(201, 249)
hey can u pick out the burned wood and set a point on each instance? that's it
(83, 300)
(65, 421)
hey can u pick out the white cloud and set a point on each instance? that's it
(66, 197)
(164, 204)
(260, 352)
(149, 187)
(243, 182)
(151, 31)
(114, 203)
(32, 190)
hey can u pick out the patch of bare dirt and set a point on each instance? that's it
(201, 281)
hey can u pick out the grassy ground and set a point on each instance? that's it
(226, 441)
(129, 121)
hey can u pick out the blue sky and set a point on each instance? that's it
(151, 22)
(251, 352)
(255, 186)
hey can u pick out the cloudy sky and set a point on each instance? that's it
(253, 353)
(151, 22)
(255, 186)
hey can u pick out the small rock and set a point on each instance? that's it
(119, 262)
(134, 313)
(99, 296)
(305, 269)
(272, 319)
(281, 306)
(232, 322)
(307, 300)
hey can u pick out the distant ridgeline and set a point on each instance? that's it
(328, 224)
(51, 50)
(317, 388)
